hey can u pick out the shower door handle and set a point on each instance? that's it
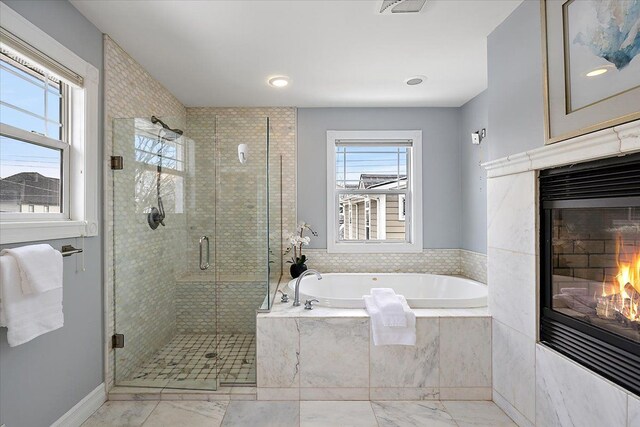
(204, 265)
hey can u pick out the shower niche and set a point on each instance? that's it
(191, 243)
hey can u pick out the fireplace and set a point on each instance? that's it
(590, 266)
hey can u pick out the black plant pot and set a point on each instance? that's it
(297, 269)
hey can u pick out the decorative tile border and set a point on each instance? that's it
(434, 261)
(473, 265)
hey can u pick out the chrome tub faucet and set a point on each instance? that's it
(296, 299)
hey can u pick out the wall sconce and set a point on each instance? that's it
(478, 136)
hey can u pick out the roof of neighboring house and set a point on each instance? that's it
(30, 188)
(377, 180)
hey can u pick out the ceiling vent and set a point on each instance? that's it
(401, 6)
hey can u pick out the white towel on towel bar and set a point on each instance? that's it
(40, 267)
(390, 306)
(26, 316)
(391, 335)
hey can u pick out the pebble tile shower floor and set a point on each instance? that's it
(231, 358)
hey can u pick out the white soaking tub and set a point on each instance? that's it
(345, 290)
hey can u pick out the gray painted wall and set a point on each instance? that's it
(474, 116)
(441, 173)
(514, 48)
(44, 378)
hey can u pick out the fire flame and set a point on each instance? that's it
(624, 293)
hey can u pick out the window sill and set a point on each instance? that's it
(31, 231)
(373, 248)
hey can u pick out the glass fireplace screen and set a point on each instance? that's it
(596, 267)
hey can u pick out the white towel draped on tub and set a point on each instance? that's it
(26, 316)
(390, 307)
(391, 335)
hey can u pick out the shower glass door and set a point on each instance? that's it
(163, 302)
(197, 220)
(242, 222)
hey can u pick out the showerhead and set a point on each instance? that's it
(177, 133)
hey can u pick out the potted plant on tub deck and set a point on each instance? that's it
(297, 241)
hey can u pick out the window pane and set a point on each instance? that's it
(28, 95)
(30, 179)
(370, 217)
(160, 151)
(21, 120)
(24, 98)
(380, 167)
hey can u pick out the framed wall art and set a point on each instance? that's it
(592, 65)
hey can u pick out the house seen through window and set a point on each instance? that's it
(371, 183)
(374, 191)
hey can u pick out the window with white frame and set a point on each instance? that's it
(34, 143)
(48, 136)
(374, 191)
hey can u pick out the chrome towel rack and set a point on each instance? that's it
(68, 250)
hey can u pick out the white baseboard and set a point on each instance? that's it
(83, 409)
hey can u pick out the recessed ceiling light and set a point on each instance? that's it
(415, 80)
(279, 81)
(597, 72)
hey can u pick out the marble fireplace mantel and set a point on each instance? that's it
(532, 383)
(619, 140)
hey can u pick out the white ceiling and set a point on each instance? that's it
(337, 53)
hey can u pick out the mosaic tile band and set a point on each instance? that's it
(435, 261)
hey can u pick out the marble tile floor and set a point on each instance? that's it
(227, 358)
(242, 413)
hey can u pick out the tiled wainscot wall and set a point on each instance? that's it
(434, 261)
(328, 354)
(531, 383)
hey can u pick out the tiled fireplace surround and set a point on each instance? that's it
(531, 383)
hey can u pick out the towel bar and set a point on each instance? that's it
(68, 250)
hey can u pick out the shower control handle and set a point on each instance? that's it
(204, 265)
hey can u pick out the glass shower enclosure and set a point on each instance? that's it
(191, 249)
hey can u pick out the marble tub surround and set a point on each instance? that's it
(328, 354)
(533, 384)
(300, 414)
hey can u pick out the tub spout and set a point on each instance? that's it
(296, 299)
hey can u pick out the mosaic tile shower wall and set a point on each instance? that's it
(204, 306)
(145, 290)
(237, 125)
(241, 257)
